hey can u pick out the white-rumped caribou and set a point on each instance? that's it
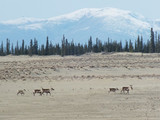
(127, 89)
(37, 91)
(112, 90)
(21, 92)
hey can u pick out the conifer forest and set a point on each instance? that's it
(152, 45)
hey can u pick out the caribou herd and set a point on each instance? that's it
(124, 90)
(37, 91)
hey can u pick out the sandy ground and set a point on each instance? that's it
(81, 87)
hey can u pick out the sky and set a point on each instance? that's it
(13, 9)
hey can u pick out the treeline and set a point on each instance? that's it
(70, 48)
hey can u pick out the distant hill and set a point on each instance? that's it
(79, 26)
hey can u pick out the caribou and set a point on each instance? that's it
(38, 91)
(21, 92)
(126, 89)
(47, 91)
(112, 90)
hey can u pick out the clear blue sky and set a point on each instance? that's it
(12, 9)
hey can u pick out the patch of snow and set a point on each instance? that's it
(20, 21)
(31, 27)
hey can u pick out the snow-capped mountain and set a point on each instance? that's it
(79, 26)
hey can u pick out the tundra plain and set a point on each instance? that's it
(81, 86)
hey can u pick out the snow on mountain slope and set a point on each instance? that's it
(80, 25)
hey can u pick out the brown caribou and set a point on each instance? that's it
(126, 89)
(38, 91)
(47, 91)
(112, 90)
(21, 92)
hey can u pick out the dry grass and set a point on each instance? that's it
(81, 87)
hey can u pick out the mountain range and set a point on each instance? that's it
(78, 26)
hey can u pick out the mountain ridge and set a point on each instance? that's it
(79, 25)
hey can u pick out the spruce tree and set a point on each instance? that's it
(72, 48)
(58, 49)
(138, 44)
(96, 46)
(126, 46)
(31, 48)
(51, 49)
(85, 48)
(120, 46)
(156, 41)
(66, 47)
(7, 47)
(90, 44)
(47, 47)
(12, 50)
(35, 47)
(63, 46)
(141, 44)
(2, 50)
(17, 49)
(100, 46)
(152, 45)
(158, 44)
(26, 50)
(130, 46)
(22, 50)
(42, 50)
